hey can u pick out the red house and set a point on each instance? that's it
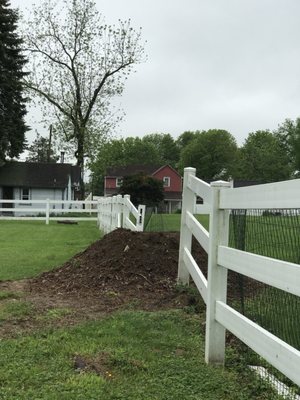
(171, 179)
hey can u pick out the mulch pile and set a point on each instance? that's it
(122, 266)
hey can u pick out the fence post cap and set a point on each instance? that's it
(221, 184)
(190, 169)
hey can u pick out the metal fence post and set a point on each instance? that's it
(141, 218)
(216, 277)
(188, 203)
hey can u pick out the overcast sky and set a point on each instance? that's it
(228, 64)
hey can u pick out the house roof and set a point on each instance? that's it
(38, 175)
(128, 170)
(244, 182)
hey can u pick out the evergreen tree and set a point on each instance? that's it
(12, 101)
(41, 151)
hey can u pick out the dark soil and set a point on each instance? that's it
(124, 270)
(124, 267)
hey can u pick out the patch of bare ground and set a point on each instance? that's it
(123, 270)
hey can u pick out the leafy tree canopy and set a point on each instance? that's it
(185, 138)
(156, 149)
(79, 64)
(288, 135)
(143, 189)
(213, 153)
(165, 147)
(12, 100)
(264, 159)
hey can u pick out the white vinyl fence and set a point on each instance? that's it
(109, 212)
(119, 212)
(46, 210)
(219, 198)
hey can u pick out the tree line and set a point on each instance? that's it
(264, 157)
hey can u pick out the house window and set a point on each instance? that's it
(25, 194)
(119, 182)
(166, 181)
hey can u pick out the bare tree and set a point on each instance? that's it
(78, 64)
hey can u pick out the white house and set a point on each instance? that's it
(38, 181)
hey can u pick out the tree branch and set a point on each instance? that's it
(100, 86)
(38, 50)
(49, 98)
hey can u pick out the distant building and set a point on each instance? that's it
(171, 179)
(38, 181)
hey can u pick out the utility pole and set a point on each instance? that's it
(49, 143)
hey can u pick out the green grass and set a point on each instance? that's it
(271, 236)
(31, 247)
(128, 356)
(4, 294)
(171, 222)
(277, 237)
(14, 309)
(275, 310)
(55, 313)
(132, 355)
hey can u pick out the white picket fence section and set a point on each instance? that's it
(109, 212)
(119, 212)
(219, 198)
(46, 210)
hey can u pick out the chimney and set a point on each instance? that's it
(62, 157)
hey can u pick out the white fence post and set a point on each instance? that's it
(47, 211)
(98, 213)
(119, 210)
(216, 277)
(126, 212)
(188, 203)
(112, 218)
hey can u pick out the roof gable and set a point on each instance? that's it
(166, 167)
(129, 170)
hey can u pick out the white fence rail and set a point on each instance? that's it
(117, 211)
(219, 198)
(109, 212)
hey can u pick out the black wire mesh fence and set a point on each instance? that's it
(276, 234)
(271, 233)
(153, 222)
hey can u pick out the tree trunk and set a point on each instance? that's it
(79, 154)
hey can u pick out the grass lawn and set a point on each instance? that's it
(171, 222)
(129, 356)
(31, 247)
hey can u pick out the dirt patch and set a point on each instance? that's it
(125, 269)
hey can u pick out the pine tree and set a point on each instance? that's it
(41, 151)
(12, 100)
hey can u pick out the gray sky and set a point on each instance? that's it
(228, 64)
